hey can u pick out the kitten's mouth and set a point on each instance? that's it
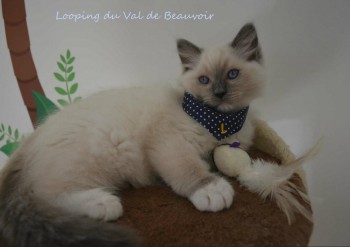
(226, 104)
(225, 108)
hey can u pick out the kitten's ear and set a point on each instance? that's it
(189, 54)
(246, 44)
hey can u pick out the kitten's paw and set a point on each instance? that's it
(95, 203)
(214, 197)
(106, 207)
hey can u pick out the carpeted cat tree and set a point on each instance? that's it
(161, 217)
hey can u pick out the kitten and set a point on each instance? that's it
(73, 164)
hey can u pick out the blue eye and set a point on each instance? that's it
(232, 74)
(203, 79)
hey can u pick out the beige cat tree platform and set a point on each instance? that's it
(161, 217)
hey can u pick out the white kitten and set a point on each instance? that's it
(73, 164)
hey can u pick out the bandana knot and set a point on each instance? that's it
(220, 125)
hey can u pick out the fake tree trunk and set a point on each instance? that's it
(18, 43)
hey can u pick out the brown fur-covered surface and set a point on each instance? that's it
(163, 218)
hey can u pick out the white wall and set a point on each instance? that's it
(305, 44)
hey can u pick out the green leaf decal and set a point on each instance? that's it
(71, 77)
(44, 106)
(67, 76)
(59, 77)
(63, 102)
(9, 148)
(2, 127)
(70, 69)
(73, 88)
(68, 54)
(16, 134)
(61, 91)
(63, 59)
(61, 66)
(2, 137)
(71, 60)
(9, 130)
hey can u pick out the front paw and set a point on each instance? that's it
(214, 196)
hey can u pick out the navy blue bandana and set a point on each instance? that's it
(220, 125)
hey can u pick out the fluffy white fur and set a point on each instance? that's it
(117, 138)
(214, 196)
(272, 180)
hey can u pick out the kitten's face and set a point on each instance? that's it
(226, 78)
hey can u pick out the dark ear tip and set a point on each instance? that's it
(249, 27)
(185, 45)
(181, 42)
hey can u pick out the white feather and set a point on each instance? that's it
(272, 180)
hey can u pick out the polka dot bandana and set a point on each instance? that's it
(220, 125)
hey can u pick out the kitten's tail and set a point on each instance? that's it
(272, 180)
(29, 222)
